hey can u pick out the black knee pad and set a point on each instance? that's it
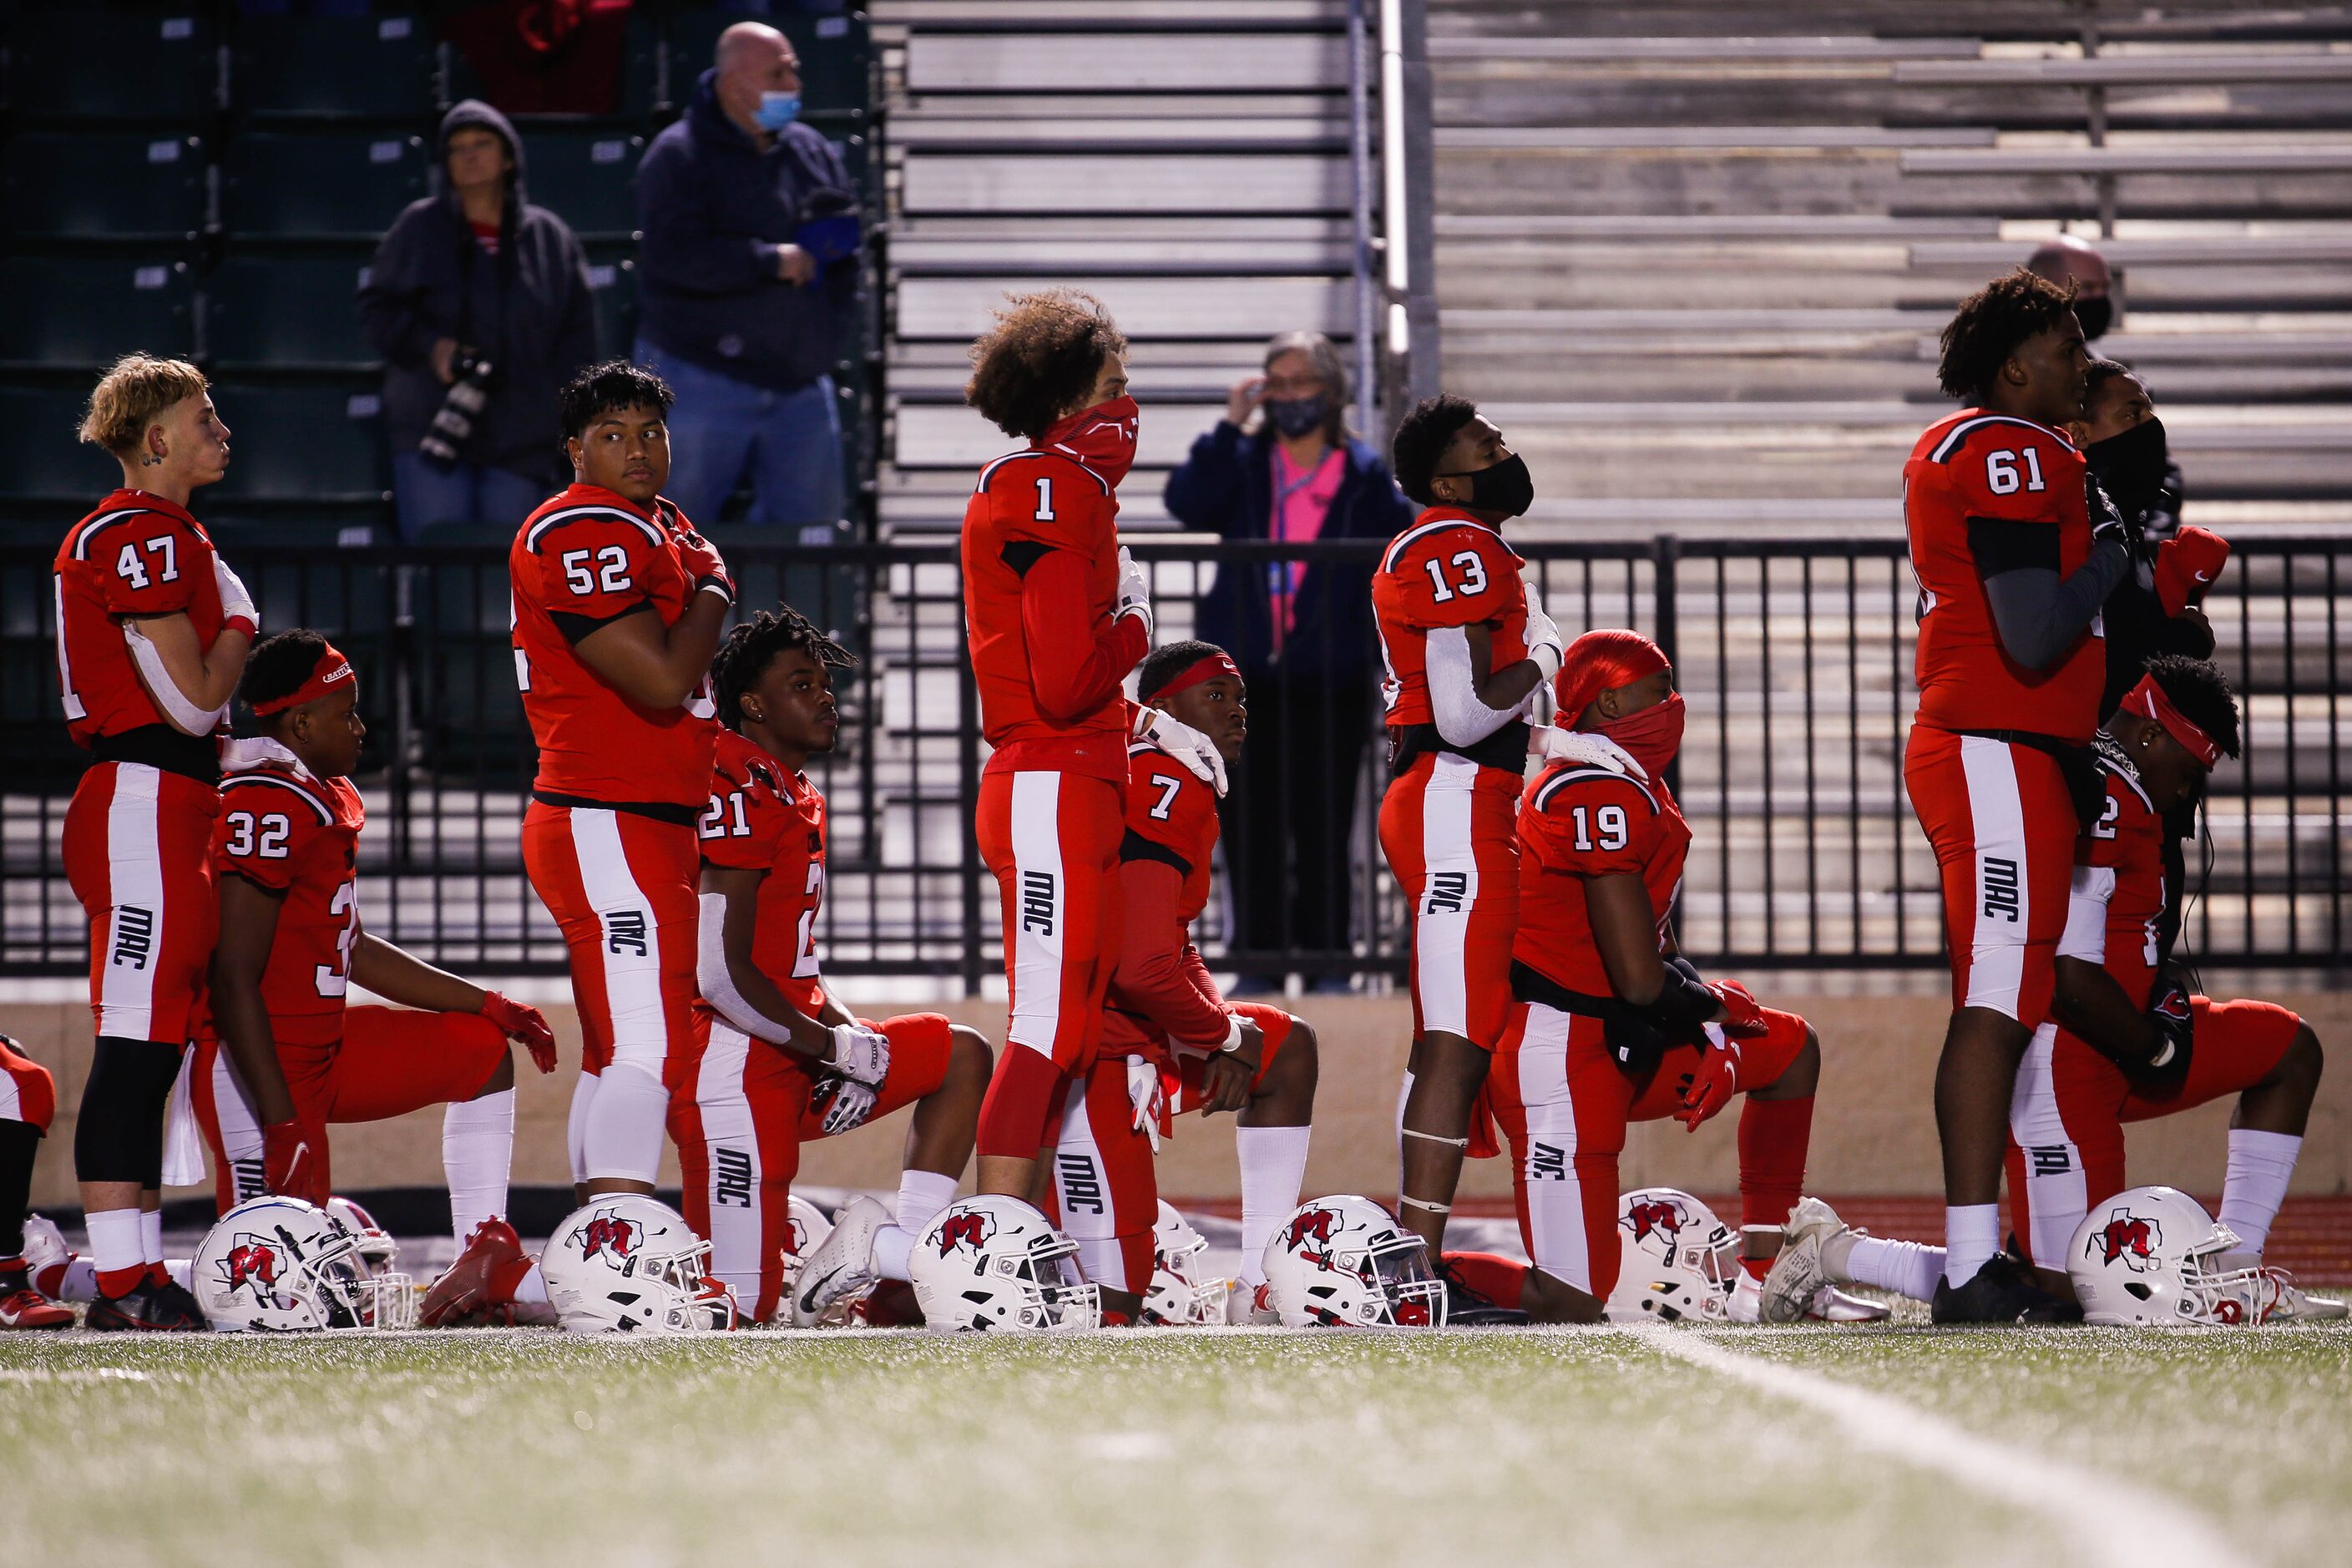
(119, 1135)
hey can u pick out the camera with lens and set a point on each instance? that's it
(468, 394)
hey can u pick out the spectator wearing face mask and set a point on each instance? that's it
(1301, 632)
(2066, 260)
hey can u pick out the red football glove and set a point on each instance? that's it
(705, 565)
(2186, 566)
(524, 1024)
(1743, 1016)
(1712, 1087)
(290, 1166)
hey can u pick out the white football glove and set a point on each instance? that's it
(851, 1104)
(237, 600)
(1143, 1092)
(1186, 744)
(1543, 639)
(1583, 748)
(859, 1054)
(1134, 591)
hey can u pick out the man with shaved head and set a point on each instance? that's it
(747, 287)
(2066, 260)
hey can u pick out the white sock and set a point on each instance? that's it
(80, 1281)
(1909, 1269)
(625, 1122)
(531, 1289)
(1971, 1235)
(2261, 1165)
(893, 1245)
(476, 1151)
(114, 1241)
(1274, 1167)
(1100, 1260)
(921, 1195)
(183, 1270)
(1404, 1092)
(150, 1235)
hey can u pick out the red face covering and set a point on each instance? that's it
(1604, 661)
(1650, 737)
(1102, 437)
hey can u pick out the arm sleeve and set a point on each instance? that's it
(680, 249)
(1074, 667)
(1153, 977)
(1462, 719)
(1201, 490)
(2037, 615)
(2085, 936)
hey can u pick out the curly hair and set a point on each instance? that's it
(1421, 438)
(278, 664)
(2201, 691)
(1162, 665)
(132, 395)
(615, 383)
(1045, 354)
(1989, 326)
(750, 647)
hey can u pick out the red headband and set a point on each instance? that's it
(332, 668)
(1598, 661)
(1208, 666)
(2147, 699)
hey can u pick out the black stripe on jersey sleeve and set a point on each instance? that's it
(2002, 544)
(575, 626)
(1136, 846)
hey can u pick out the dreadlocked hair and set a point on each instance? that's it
(750, 647)
(1989, 326)
(2199, 688)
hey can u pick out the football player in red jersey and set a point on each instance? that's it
(28, 1099)
(1056, 614)
(618, 606)
(2015, 549)
(1609, 1025)
(281, 1055)
(1171, 1041)
(1467, 647)
(152, 630)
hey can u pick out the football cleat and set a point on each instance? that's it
(1797, 1276)
(22, 1307)
(1261, 1313)
(46, 1248)
(842, 1264)
(150, 1309)
(462, 1297)
(2292, 1306)
(2001, 1292)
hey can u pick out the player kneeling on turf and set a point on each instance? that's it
(278, 1265)
(281, 1057)
(996, 1264)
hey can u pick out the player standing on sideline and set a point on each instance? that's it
(1466, 645)
(281, 1056)
(1055, 615)
(618, 606)
(1171, 1041)
(28, 1099)
(152, 630)
(2015, 549)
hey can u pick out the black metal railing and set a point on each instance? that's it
(1794, 655)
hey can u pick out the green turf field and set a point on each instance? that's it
(1593, 1446)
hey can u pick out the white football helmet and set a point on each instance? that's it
(996, 1263)
(626, 1264)
(2147, 1257)
(378, 1251)
(1677, 1261)
(1344, 1262)
(1180, 1295)
(279, 1265)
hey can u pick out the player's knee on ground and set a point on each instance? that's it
(1549, 1301)
(1287, 1097)
(1803, 1076)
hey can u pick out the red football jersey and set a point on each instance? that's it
(762, 818)
(1446, 569)
(1576, 821)
(282, 830)
(584, 558)
(1975, 465)
(2116, 913)
(1171, 817)
(1028, 503)
(136, 555)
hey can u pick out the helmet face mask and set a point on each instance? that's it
(1678, 1263)
(2150, 1257)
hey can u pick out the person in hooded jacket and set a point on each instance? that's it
(747, 287)
(474, 284)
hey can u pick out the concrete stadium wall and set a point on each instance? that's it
(1874, 1132)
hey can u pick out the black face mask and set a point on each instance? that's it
(2096, 315)
(1506, 488)
(1293, 417)
(2130, 467)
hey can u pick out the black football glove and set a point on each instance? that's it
(2161, 1075)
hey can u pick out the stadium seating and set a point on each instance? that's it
(835, 53)
(323, 444)
(285, 311)
(159, 67)
(614, 278)
(87, 311)
(587, 176)
(47, 460)
(321, 184)
(112, 186)
(335, 68)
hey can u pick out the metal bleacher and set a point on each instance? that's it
(1699, 254)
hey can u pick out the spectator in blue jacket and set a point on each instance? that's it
(1302, 633)
(747, 285)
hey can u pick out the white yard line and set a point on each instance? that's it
(2113, 1522)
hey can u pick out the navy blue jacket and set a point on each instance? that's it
(1226, 486)
(714, 210)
